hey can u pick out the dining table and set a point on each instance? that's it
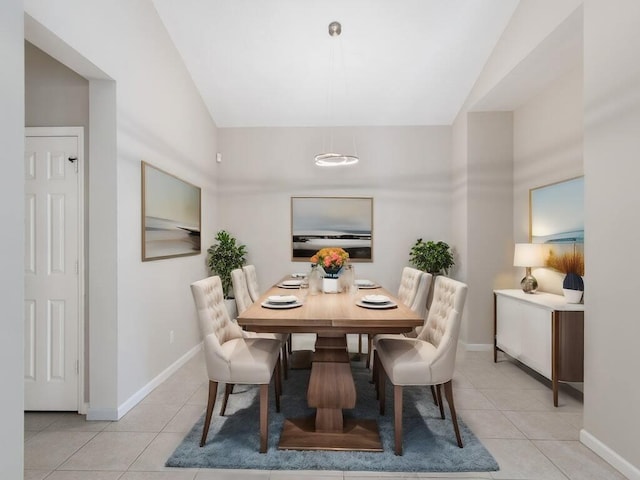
(331, 389)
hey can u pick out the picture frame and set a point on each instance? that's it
(171, 210)
(556, 213)
(318, 222)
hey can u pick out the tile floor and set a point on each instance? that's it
(509, 409)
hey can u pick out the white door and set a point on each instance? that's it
(52, 293)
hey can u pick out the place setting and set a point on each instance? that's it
(281, 302)
(364, 284)
(292, 284)
(376, 302)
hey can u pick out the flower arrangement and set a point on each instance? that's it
(330, 258)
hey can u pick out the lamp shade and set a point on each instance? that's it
(528, 255)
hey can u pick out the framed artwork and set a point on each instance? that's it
(170, 215)
(557, 213)
(318, 222)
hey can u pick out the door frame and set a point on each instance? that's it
(77, 132)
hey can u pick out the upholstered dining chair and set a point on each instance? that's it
(243, 301)
(252, 281)
(413, 292)
(428, 359)
(232, 355)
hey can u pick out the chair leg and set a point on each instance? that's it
(228, 390)
(433, 394)
(285, 365)
(440, 404)
(380, 385)
(448, 392)
(278, 386)
(369, 347)
(289, 341)
(397, 420)
(264, 417)
(374, 368)
(213, 391)
(375, 374)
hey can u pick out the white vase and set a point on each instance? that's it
(330, 285)
(572, 296)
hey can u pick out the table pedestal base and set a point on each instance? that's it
(300, 359)
(357, 434)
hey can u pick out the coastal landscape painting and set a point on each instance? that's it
(170, 215)
(318, 222)
(557, 213)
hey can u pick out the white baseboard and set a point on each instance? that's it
(110, 414)
(627, 469)
(116, 414)
(478, 347)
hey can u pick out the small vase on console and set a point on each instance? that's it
(573, 287)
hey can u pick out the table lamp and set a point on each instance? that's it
(528, 255)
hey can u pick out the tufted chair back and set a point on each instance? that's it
(419, 304)
(409, 283)
(442, 326)
(215, 326)
(240, 290)
(252, 281)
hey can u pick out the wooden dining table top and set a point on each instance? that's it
(329, 313)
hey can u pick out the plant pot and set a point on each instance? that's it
(232, 308)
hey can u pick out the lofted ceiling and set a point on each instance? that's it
(260, 63)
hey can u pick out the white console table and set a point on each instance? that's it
(542, 331)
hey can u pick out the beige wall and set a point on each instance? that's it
(134, 305)
(488, 227)
(405, 169)
(12, 214)
(547, 148)
(612, 170)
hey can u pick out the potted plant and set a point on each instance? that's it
(572, 265)
(433, 257)
(225, 256)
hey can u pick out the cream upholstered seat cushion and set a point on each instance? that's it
(252, 282)
(245, 360)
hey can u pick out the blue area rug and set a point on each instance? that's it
(429, 442)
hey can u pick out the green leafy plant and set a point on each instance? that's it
(432, 257)
(224, 257)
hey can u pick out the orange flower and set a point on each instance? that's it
(330, 257)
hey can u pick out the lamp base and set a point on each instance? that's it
(529, 284)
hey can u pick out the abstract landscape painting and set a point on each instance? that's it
(170, 215)
(557, 212)
(318, 222)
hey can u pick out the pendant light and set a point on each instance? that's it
(331, 158)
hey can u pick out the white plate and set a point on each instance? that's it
(281, 299)
(291, 283)
(364, 283)
(376, 299)
(281, 305)
(289, 287)
(378, 306)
